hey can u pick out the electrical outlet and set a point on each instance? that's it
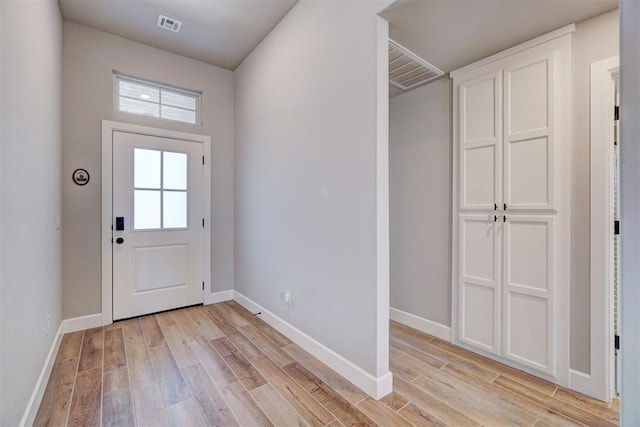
(48, 321)
(286, 297)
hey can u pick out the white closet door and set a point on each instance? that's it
(529, 291)
(480, 146)
(528, 132)
(479, 275)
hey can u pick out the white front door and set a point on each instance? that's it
(157, 224)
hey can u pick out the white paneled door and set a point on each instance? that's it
(508, 141)
(529, 291)
(480, 276)
(529, 132)
(157, 224)
(480, 142)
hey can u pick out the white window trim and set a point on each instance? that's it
(118, 75)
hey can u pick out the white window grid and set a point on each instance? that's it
(161, 87)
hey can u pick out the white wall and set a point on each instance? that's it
(90, 56)
(306, 119)
(30, 198)
(420, 191)
(420, 174)
(630, 219)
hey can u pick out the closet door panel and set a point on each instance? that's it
(480, 152)
(529, 291)
(480, 113)
(479, 185)
(528, 170)
(527, 339)
(479, 275)
(528, 133)
(528, 96)
(479, 327)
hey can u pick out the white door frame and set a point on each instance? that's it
(602, 369)
(108, 127)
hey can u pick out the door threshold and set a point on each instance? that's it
(158, 312)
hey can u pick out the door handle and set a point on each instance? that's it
(119, 240)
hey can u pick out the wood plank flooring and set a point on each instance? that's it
(220, 365)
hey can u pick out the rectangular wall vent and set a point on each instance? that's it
(169, 23)
(407, 70)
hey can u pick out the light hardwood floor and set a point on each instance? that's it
(220, 365)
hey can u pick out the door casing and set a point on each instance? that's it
(108, 127)
(600, 381)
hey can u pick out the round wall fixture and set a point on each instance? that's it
(80, 176)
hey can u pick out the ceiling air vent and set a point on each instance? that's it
(407, 70)
(169, 23)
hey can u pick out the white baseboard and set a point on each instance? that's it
(31, 410)
(420, 323)
(215, 297)
(82, 323)
(374, 387)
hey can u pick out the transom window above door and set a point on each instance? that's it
(159, 189)
(147, 98)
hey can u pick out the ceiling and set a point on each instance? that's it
(446, 33)
(218, 32)
(452, 33)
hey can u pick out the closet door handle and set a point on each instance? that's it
(504, 218)
(495, 206)
(495, 218)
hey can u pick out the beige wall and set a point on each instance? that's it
(306, 120)
(420, 174)
(420, 201)
(594, 40)
(30, 196)
(90, 56)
